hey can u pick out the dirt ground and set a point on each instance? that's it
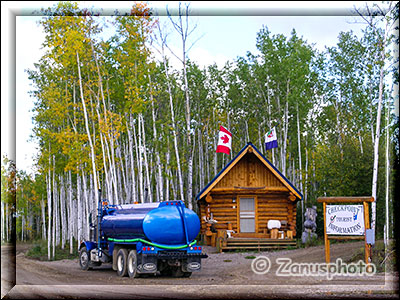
(223, 275)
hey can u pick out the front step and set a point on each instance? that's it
(257, 244)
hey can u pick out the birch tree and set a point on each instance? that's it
(384, 42)
(184, 31)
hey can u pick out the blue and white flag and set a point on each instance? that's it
(271, 140)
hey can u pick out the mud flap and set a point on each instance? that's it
(147, 264)
(191, 264)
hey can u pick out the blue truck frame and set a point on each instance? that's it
(138, 256)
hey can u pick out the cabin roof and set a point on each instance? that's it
(236, 159)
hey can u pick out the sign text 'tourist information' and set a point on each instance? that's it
(345, 220)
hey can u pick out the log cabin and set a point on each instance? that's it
(239, 205)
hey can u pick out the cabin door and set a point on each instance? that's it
(247, 215)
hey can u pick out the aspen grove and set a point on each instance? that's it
(114, 115)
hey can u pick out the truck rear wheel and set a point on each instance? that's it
(122, 256)
(132, 264)
(187, 274)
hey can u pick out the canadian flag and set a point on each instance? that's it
(224, 141)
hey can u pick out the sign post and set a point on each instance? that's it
(345, 222)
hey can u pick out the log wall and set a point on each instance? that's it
(267, 207)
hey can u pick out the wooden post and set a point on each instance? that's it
(327, 242)
(219, 240)
(230, 226)
(366, 221)
(213, 239)
(365, 201)
(208, 226)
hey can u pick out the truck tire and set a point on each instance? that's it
(122, 256)
(84, 259)
(132, 264)
(187, 274)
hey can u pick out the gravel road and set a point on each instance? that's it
(223, 275)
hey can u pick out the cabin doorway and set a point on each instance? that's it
(247, 215)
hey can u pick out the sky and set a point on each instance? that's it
(218, 39)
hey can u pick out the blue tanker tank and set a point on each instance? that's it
(147, 238)
(162, 222)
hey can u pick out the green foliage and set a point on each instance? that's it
(250, 257)
(8, 196)
(380, 255)
(39, 252)
(333, 93)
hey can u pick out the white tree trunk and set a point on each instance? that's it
(159, 181)
(127, 172)
(7, 223)
(108, 184)
(168, 172)
(114, 171)
(285, 134)
(174, 130)
(71, 215)
(377, 132)
(122, 170)
(201, 160)
(93, 157)
(54, 212)
(178, 162)
(300, 167)
(183, 31)
(22, 226)
(134, 193)
(63, 212)
(3, 228)
(85, 205)
(49, 210)
(387, 179)
(139, 159)
(111, 181)
(79, 209)
(280, 138)
(43, 210)
(360, 141)
(146, 164)
(306, 179)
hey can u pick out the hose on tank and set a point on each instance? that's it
(152, 244)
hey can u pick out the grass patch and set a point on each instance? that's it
(227, 260)
(39, 252)
(378, 256)
(250, 257)
(314, 241)
(241, 250)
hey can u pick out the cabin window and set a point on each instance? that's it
(247, 215)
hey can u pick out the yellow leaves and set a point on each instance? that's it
(140, 9)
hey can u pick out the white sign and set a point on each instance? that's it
(345, 220)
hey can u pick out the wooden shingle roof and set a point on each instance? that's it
(246, 149)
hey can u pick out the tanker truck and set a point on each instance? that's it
(148, 238)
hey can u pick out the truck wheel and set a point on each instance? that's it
(122, 256)
(84, 259)
(132, 264)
